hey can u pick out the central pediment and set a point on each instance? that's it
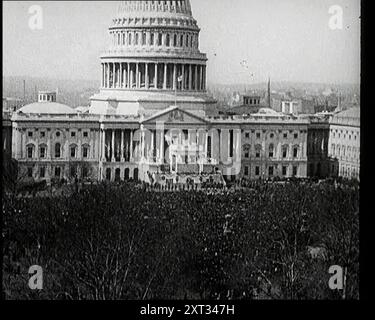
(175, 115)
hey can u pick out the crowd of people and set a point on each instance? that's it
(134, 241)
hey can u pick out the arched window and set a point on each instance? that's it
(152, 36)
(333, 149)
(271, 150)
(57, 150)
(187, 40)
(175, 40)
(182, 40)
(168, 40)
(136, 38)
(129, 39)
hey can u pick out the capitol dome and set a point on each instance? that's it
(139, 8)
(153, 53)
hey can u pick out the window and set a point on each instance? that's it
(143, 39)
(284, 170)
(73, 151)
(30, 134)
(85, 152)
(270, 171)
(246, 171)
(57, 172)
(168, 40)
(42, 134)
(175, 40)
(42, 172)
(136, 38)
(285, 135)
(247, 135)
(258, 135)
(73, 134)
(181, 40)
(295, 169)
(246, 150)
(42, 152)
(30, 172)
(85, 134)
(270, 150)
(30, 150)
(57, 134)
(296, 136)
(257, 171)
(152, 36)
(258, 149)
(187, 40)
(272, 135)
(295, 152)
(57, 150)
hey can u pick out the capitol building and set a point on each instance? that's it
(154, 121)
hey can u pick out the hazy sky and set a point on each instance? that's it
(288, 40)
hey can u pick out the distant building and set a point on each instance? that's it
(289, 105)
(250, 104)
(344, 147)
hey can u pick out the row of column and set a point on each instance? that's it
(165, 76)
(151, 145)
(134, 38)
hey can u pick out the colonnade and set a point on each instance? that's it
(156, 146)
(185, 40)
(165, 76)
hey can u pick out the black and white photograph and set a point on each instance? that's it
(190, 150)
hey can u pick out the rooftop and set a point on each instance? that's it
(47, 108)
